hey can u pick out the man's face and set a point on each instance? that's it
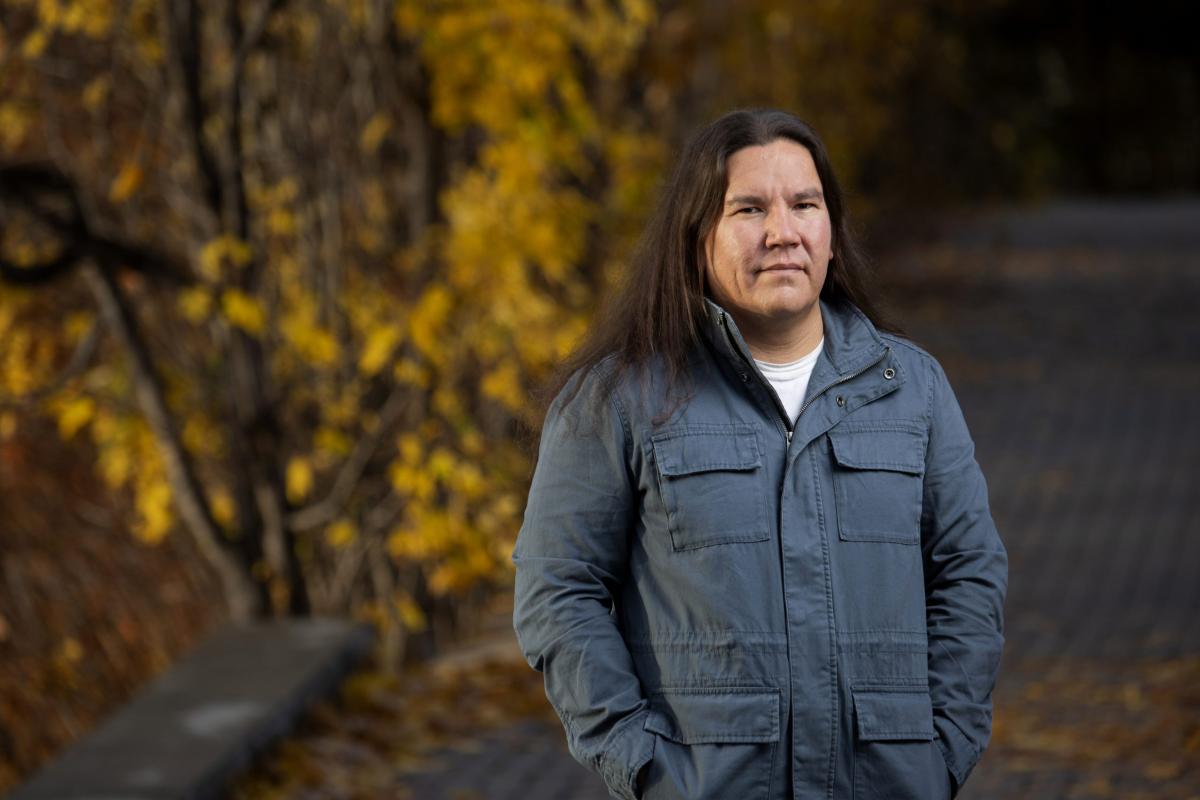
(770, 249)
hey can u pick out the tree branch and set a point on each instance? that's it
(183, 18)
(327, 509)
(51, 197)
(245, 601)
(38, 274)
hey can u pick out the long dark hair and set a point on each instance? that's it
(657, 312)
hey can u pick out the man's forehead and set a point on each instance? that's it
(780, 165)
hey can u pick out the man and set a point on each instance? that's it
(757, 560)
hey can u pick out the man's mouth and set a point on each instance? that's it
(785, 267)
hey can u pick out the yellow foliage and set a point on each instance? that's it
(409, 371)
(116, 465)
(341, 533)
(15, 122)
(243, 311)
(74, 413)
(224, 510)
(299, 478)
(202, 437)
(441, 463)
(77, 324)
(468, 479)
(426, 539)
(411, 449)
(281, 222)
(374, 132)
(410, 613)
(331, 441)
(35, 43)
(8, 425)
(96, 92)
(17, 371)
(504, 385)
(427, 319)
(223, 250)
(348, 299)
(70, 650)
(195, 303)
(153, 503)
(378, 348)
(412, 481)
(375, 203)
(300, 329)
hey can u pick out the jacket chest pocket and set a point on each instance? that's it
(877, 483)
(713, 484)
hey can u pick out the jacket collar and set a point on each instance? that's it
(851, 341)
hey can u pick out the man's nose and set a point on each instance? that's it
(782, 228)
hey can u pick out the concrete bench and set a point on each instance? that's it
(196, 727)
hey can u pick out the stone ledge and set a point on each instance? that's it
(197, 726)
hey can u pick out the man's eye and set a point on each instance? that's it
(747, 210)
(805, 205)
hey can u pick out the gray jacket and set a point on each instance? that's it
(756, 611)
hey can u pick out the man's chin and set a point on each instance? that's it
(789, 310)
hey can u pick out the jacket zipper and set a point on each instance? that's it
(788, 428)
(749, 364)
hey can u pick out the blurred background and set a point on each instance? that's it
(280, 280)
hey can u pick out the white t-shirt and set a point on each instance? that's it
(790, 381)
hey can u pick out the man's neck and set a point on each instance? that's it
(782, 344)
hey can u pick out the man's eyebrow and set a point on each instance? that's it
(755, 200)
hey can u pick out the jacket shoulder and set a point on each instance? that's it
(586, 387)
(912, 352)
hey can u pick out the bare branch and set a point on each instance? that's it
(254, 32)
(185, 485)
(183, 19)
(383, 514)
(326, 510)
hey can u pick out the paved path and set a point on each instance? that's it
(189, 731)
(1076, 357)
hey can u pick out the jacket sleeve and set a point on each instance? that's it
(966, 576)
(570, 559)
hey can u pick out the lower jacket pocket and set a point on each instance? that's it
(895, 752)
(717, 742)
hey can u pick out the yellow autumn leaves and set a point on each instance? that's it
(397, 351)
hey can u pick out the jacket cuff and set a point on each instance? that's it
(630, 747)
(960, 754)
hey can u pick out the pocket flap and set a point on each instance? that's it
(885, 715)
(716, 714)
(897, 449)
(692, 449)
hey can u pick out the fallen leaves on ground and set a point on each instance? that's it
(382, 728)
(1127, 730)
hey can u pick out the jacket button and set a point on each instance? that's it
(745, 377)
(841, 401)
(889, 373)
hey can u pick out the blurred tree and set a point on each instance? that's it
(293, 268)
